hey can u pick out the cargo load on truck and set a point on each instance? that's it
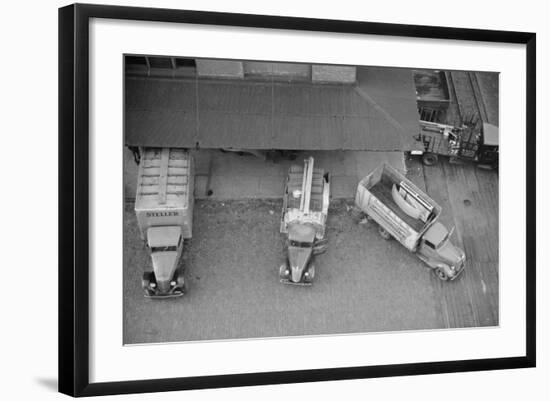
(164, 211)
(303, 221)
(404, 212)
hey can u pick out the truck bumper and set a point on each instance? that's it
(164, 289)
(299, 283)
(164, 296)
(285, 276)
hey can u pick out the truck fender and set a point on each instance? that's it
(443, 271)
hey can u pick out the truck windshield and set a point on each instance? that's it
(442, 242)
(164, 249)
(300, 244)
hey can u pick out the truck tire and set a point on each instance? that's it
(311, 273)
(282, 271)
(181, 282)
(429, 159)
(384, 233)
(357, 214)
(146, 280)
(441, 274)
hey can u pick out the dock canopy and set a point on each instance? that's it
(376, 112)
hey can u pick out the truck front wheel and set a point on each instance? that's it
(283, 271)
(181, 283)
(310, 274)
(146, 280)
(441, 274)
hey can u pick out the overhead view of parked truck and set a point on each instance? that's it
(462, 143)
(164, 210)
(304, 216)
(407, 214)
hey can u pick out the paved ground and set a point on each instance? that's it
(469, 198)
(234, 290)
(363, 283)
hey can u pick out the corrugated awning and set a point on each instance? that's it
(377, 113)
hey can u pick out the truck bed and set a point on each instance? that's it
(382, 191)
(164, 179)
(164, 194)
(295, 177)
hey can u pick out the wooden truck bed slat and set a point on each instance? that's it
(163, 179)
(172, 180)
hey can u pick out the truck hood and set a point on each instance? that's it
(451, 254)
(298, 258)
(164, 265)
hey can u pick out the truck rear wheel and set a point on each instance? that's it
(384, 233)
(429, 159)
(357, 214)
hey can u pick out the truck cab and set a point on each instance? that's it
(488, 154)
(437, 251)
(301, 238)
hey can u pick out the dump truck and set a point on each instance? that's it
(164, 211)
(460, 143)
(303, 221)
(407, 214)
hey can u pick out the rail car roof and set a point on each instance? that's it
(377, 113)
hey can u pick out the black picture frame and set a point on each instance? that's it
(74, 198)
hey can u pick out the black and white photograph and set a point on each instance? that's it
(271, 201)
(276, 199)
